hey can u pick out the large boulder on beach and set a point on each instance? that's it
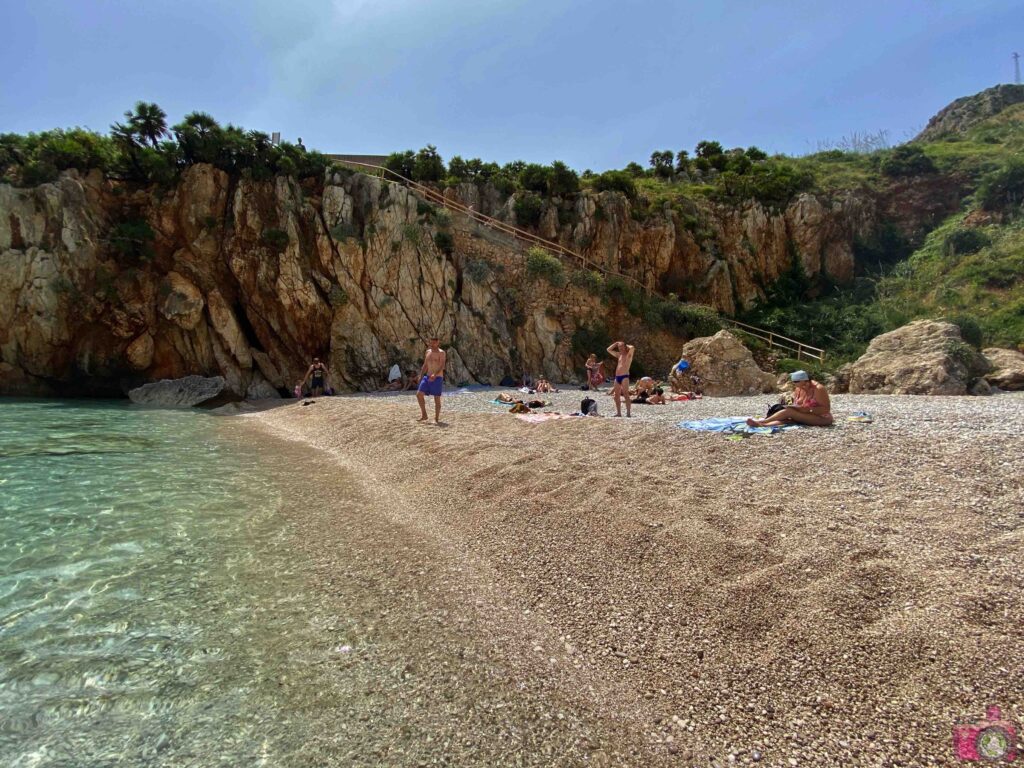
(726, 367)
(187, 392)
(1007, 368)
(925, 357)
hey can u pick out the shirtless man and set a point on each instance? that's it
(432, 380)
(620, 389)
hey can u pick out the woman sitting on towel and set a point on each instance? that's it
(811, 405)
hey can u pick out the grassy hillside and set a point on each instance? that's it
(969, 269)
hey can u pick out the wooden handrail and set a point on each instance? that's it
(433, 195)
(773, 339)
(490, 221)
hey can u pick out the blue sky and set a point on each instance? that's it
(596, 83)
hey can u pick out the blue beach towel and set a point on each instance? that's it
(732, 425)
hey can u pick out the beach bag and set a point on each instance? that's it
(772, 410)
(588, 407)
(519, 408)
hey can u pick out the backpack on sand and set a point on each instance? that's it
(588, 407)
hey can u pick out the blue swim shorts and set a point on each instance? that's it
(428, 387)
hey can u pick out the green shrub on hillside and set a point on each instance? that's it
(587, 340)
(589, 280)
(970, 329)
(541, 264)
(1003, 188)
(534, 178)
(907, 160)
(39, 157)
(528, 208)
(412, 234)
(477, 270)
(428, 165)
(562, 181)
(690, 320)
(444, 242)
(402, 163)
(624, 292)
(616, 181)
(773, 183)
(966, 241)
(442, 217)
(132, 239)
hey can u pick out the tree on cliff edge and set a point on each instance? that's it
(148, 122)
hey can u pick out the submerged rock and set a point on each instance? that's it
(207, 391)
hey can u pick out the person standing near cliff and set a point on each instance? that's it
(432, 379)
(623, 352)
(317, 378)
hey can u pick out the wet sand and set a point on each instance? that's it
(821, 597)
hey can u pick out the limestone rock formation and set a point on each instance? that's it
(970, 110)
(1007, 368)
(186, 392)
(249, 279)
(726, 367)
(925, 357)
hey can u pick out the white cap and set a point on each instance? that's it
(799, 376)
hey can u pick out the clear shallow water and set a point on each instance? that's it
(177, 589)
(145, 590)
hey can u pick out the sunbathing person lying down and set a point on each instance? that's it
(654, 397)
(811, 405)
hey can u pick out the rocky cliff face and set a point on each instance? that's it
(968, 111)
(715, 254)
(103, 287)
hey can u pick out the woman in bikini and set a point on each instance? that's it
(595, 373)
(811, 405)
(543, 386)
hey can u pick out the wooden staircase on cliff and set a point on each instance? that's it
(771, 338)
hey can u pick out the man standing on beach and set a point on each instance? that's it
(620, 390)
(432, 380)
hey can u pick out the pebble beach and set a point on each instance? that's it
(825, 596)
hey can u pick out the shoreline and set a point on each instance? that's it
(806, 620)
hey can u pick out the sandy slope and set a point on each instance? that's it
(825, 597)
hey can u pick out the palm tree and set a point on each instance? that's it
(148, 121)
(202, 123)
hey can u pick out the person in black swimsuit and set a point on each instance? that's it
(317, 378)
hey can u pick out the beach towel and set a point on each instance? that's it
(536, 418)
(731, 425)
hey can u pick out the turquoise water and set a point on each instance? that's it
(178, 589)
(144, 585)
